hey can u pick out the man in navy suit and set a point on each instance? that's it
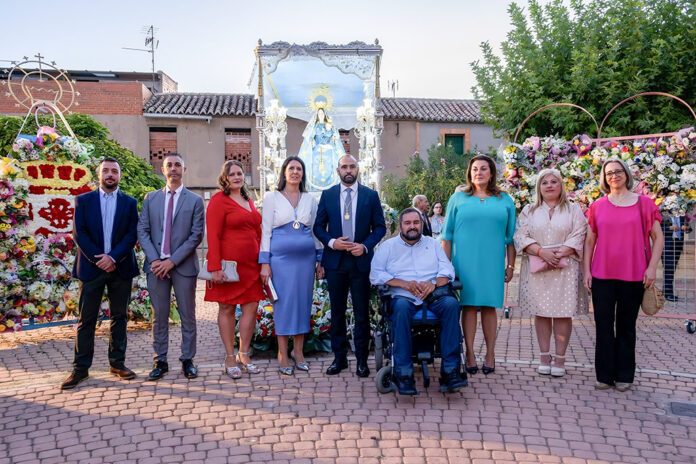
(105, 232)
(349, 223)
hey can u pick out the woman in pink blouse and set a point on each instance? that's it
(619, 263)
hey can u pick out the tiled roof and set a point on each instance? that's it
(221, 104)
(431, 109)
(202, 104)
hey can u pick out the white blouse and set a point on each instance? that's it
(277, 211)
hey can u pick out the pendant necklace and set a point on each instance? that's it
(296, 223)
(346, 215)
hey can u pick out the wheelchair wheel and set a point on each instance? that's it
(384, 380)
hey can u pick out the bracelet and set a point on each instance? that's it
(510, 266)
(538, 253)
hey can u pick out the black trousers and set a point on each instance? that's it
(670, 260)
(340, 281)
(616, 304)
(91, 292)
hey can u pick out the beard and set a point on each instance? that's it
(348, 179)
(109, 183)
(411, 234)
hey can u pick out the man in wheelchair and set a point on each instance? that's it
(418, 275)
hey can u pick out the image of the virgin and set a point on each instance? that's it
(321, 149)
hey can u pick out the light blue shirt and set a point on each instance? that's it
(423, 261)
(107, 201)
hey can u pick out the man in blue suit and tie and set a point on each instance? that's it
(104, 232)
(349, 223)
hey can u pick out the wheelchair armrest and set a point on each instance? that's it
(456, 284)
(382, 290)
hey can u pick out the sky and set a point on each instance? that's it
(208, 46)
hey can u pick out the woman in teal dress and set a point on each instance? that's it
(320, 151)
(477, 236)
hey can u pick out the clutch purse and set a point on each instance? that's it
(270, 291)
(536, 264)
(229, 268)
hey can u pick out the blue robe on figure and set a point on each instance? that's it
(321, 149)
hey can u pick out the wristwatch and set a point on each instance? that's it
(434, 282)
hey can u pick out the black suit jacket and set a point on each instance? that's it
(369, 225)
(427, 228)
(89, 236)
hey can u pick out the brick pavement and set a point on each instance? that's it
(513, 415)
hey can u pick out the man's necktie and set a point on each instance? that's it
(348, 216)
(168, 223)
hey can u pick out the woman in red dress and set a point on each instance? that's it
(234, 234)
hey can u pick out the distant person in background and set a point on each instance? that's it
(437, 220)
(420, 202)
(674, 229)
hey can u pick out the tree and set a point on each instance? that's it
(593, 53)
(435, 179)
(137, 175)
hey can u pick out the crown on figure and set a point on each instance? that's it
(320, 105)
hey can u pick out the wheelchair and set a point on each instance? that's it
(425, 335)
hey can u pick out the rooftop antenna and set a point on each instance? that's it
(153, 44)
(393, 86)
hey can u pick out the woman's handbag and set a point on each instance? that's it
(653, 300)
(229, 268)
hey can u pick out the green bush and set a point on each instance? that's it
(137, 176)
(436, 179)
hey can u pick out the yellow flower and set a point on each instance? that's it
(4, 226)
(658, 201)
(595, 161)
(9, 324)
(595, 194)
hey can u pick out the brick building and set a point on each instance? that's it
(209, 128)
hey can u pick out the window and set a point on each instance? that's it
(458, 139)
(162, 141)
(238, 147)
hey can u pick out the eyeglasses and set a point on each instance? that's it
(617, 173)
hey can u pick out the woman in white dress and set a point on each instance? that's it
(550, 234)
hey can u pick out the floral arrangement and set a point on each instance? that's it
(663, 168)
(38, 180)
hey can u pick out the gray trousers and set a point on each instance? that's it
(160, 293)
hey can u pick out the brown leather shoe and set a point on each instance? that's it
(75, 378)
(122, 372)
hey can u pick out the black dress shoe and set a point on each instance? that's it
(487, 370)
(75, 378)
(671, 298)
(190, 371)
(406, 385)
(158, 370)
(362, 369)
(122, 372)
(472, 370)
(337, 366)
(452, 381)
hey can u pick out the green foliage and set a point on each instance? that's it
(593, 53)
(436, 179)
(137, 177)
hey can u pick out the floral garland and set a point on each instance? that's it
(664, 168)
(38, 181)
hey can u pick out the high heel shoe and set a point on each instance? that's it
(249, 367)
(471, 369)
(544, 369)
(558, 371)
(302, 366)
(285, 370)
(232, 372)
(487, 370)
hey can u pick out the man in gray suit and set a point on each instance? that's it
(169, 230)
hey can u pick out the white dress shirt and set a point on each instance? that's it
(177, 195)
(423, 261)
(107, 203)
(353, 206)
